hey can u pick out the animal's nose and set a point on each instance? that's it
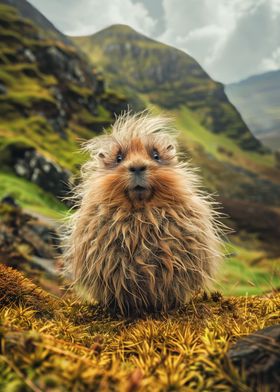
(137, 169)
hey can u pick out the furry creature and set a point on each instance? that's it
(144, 237)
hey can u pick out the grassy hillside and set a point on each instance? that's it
(30, 196)
(257, 99)
(51, 100)
(50, 97)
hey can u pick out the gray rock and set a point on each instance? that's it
(29, 55)
(259, 355)
(3, 89)
(9, 200)
(41, 171)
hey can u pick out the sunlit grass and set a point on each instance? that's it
(189, 125)
(248, 272)
(30, 196)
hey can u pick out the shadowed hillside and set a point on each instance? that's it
(26, 10)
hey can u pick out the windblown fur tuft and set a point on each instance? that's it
(144, 237)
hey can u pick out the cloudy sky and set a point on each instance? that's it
(231, 39)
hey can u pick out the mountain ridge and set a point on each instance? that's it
(170, 77)
(28, 11)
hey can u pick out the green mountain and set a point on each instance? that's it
(166, 77)
(257, 99)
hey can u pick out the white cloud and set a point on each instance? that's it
(272, 62)
(231, 39)
(85, 17)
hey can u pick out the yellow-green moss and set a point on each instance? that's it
(81, 348)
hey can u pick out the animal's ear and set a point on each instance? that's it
(171, 151)
(170, 147)
(101, 155)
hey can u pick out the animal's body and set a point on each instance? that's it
(143, 237)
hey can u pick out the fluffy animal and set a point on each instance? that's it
(144, 237)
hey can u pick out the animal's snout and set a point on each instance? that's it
(137, 169)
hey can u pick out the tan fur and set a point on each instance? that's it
(145, 251)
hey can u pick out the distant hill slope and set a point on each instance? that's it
(167, 76)
(258, 100)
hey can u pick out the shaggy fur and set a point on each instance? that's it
(143, 237)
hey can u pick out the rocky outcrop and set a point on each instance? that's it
(42, 172)
(29, 244)
(258, 355)
(27, 163)
(19, 228)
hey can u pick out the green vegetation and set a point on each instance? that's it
(246, 271)
(189, 124)
(49, 107)
(35, 131)
(30, 196)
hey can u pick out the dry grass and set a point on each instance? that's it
(49, 344)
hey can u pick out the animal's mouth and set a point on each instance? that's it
(140, 193)
(139, 188)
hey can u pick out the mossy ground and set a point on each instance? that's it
(50, 344)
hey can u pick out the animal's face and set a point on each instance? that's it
(139, 169)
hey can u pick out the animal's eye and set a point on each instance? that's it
(119, 158)
(155, 155)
